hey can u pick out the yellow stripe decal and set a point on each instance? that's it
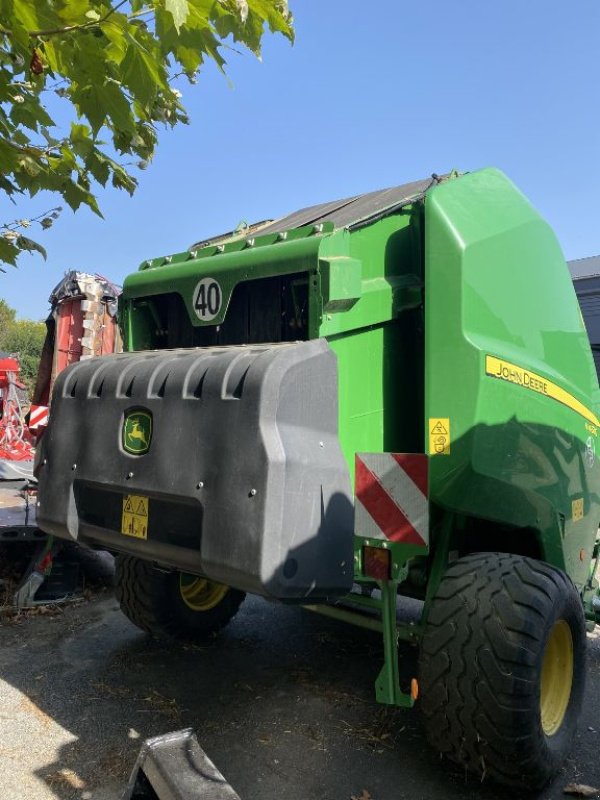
(505, 371)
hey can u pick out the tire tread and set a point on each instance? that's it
(480, 662)
(148, 597)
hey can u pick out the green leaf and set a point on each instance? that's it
(75, 12)
(117, 106)
(87, 101)
(30, 166)
(25, 243)
(179, 10)
(142, 73)
(30, 114)
(81, 141)
(123, 180)
(8, 252)
(20, 138)
(111, 66)
(7, 186)
(24, 18)
(98, 166)
(75, 195)
(115, 29)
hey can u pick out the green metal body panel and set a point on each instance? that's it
(522, 440)
(378, 340)
(457, 333)
(361, 286)
(423, 307)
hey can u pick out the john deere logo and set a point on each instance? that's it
(137, 432)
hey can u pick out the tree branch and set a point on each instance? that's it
(93, 23)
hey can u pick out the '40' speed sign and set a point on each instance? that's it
(208, 299)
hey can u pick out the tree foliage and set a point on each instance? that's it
(23, 338)
(86, 84)
(7, 317)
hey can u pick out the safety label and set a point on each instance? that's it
(134, 521)
(439, 436)
(577, 509)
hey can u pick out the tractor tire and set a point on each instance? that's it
(173, 604)
(96, 566)
(502, 668)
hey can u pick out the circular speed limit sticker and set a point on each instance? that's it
(208, 299)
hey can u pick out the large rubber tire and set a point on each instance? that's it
(97, 566)
(152, 599)
(480, 672)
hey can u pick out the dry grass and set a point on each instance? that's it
(380, 734)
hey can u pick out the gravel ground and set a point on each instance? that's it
(282, 702)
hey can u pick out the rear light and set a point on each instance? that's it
(377, 563)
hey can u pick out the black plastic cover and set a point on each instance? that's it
(70, 286)
(245, 477)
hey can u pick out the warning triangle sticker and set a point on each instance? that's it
(128, 507)
(439, 429)
(141, 507)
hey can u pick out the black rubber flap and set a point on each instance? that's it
(243, 480)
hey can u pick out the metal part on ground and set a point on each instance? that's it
(31, 553)
(39, 569)
(174, 767)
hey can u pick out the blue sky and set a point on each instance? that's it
(371, 95)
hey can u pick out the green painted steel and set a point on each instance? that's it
(364, 293)
(508, 363)
(457, 333)
(378, 340)
(471, 272)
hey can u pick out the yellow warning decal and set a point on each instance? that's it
(577, 509)
(439, 436)
(505, 371)
(134, 521)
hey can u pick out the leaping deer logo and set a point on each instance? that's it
(137, 431)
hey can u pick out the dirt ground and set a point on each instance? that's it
(282, 701)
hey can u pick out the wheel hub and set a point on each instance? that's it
(557, 677)
(200, 594)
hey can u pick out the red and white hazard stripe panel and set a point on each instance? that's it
(38, 417)
(391, 497)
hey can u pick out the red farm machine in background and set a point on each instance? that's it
(16, 452)
(82, 324)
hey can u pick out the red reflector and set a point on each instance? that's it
(377, 563)
(45, 564)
